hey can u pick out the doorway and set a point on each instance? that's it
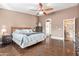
(69, 29)
(69, 36)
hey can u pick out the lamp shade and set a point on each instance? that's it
(3, 30)
(39, 24)
(40, 12)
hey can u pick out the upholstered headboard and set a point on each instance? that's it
(20, 28)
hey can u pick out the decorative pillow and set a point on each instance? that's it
(30, 31)
(24, 31)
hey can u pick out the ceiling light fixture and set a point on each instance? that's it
(40, 12)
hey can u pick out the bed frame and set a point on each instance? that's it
(20, 28)
(32, 43)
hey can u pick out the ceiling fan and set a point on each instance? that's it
(44, 9)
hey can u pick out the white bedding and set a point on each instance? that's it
(24, 40)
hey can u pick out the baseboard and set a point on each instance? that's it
(58, 38)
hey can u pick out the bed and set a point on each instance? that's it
(25, 36)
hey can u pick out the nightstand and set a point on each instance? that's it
(0, 41)
(38, 29)
(6, 39)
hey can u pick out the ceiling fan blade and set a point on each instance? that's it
(44, 13)
(40, 6)
(48, 9)
(47, 12)
(33, 10)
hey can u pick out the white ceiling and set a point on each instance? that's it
(29, 7)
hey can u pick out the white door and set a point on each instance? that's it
(48, 27)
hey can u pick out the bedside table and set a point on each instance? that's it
(0, 41)
(38, 29)
(6, 39)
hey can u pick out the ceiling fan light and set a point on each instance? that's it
(40, 12)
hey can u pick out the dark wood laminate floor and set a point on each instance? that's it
(49, 47)
(69, 48)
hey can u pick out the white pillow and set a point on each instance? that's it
(17, 31)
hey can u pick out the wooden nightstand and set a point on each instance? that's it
(0, 41)
(38, 29)
(6, 39)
